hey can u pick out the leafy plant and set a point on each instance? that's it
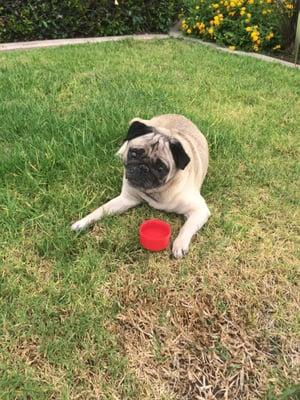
(41, 19)
(253, 25)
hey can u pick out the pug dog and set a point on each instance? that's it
(165, 163)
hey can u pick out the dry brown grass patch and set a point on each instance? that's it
(223, 328)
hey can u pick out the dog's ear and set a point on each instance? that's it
(181, 159)
(137, 129)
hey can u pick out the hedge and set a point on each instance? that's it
(22, 20)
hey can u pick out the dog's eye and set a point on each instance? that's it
(135, 153)
(161, 167)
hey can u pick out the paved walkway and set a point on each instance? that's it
(63, 42)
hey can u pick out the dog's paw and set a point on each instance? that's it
(80, 225)
(180, 248)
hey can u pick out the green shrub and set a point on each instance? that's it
(252, 25)
(53, 19)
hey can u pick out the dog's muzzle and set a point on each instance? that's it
(138, 175)
(137, 171)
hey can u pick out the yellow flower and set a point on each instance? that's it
(226, 3)
(232, 48)
(201, 26)
(232, 4)
(255, 36)
(215, 5)
(277, 47)
(231, 14)
(247, 21)
(197, 7)
(248, 29)
(269, 1)
(210, 30)
(255, 47)
(248, 15)
(250, 1)
(264, 12)
(216, 20)
(242, 12)
(289, 6)
(269, 36)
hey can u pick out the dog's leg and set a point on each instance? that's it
(117, 205)
(195, 220)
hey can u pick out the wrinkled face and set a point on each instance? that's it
(144, 171)
(151, 158)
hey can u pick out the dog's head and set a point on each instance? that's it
(151, 157)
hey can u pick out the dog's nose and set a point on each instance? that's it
(144, 168)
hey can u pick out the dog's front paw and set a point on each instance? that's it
(180, 247)
(80, 225)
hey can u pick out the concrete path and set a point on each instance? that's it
(63, 42)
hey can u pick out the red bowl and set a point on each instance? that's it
(155, 234)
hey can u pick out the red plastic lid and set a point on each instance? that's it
(155, 234)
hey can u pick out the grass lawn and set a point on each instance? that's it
(93, 316)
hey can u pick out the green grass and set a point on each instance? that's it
(93, 316)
